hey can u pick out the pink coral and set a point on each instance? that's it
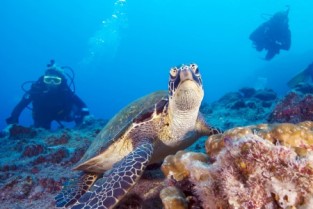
(57, 140)
(50, 185)
(251, 172)
(293, 108)
(56, 157)
(20, 132)
(31, 150)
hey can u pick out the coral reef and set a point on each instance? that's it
(303, 88)
(35, 162)
(177, 165)
(227, 112)
(33, 168)
(298, 137)
(247, 171)
(31, 150)
(173, 198)
(19, 132)
(293, 108)
(179, 192)
(237, 167)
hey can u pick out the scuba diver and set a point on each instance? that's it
(52, 99)
(301, 77)
(273, 35)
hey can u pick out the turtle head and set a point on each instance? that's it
(185, 88)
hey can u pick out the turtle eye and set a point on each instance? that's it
(173, 72)
(195, 69)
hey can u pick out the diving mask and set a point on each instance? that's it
(54, 80)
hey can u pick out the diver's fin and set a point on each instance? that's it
(74, 189)
(271, 53)
(300, 77)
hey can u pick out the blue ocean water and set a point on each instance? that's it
(123, 49)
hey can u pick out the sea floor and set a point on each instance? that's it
(35, 163)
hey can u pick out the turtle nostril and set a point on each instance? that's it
(185, 75)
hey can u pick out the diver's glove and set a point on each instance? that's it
(11, 120)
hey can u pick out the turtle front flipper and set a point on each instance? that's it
(74, 189)
(205, 129)
(107, 191)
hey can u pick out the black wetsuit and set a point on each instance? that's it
(49, 104)
(273, 35)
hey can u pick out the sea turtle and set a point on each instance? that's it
(144, 132)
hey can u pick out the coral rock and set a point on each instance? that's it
(294, 108)
(297, 136)
(34, 163)
(303, 88)
(50, 185)
(265, 95)
(247, 92)
(57, 140)
(250, 172)
(173, 198)
(31, 150)
(227, 112)
(21, 132)
(175, 165)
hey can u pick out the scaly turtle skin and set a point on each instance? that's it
(144, 132)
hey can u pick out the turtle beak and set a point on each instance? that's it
(185, 74)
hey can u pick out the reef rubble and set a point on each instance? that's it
(246, 106)
(35, 163)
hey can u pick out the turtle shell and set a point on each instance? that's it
(137, 111)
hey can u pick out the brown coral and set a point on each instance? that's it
(173, 198)
(297, 136)
(175, 165)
